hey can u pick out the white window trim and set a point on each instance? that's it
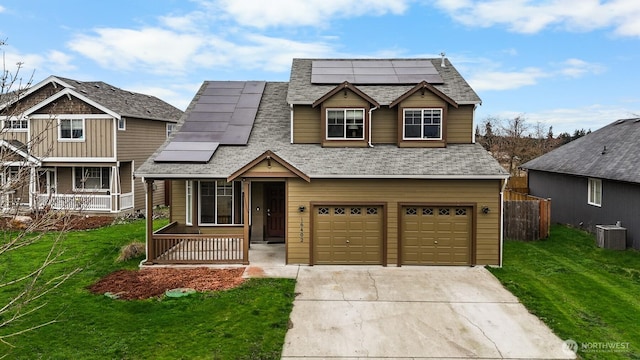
(326, 128)
(421, 138)
(189, 202)
(122, 123)
(76, 188)
(590, 199)
(215, 213)
(171, 125)
(84, 129)
(12, 129)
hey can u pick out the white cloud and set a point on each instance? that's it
(163, 51)
(59, 62)
(486, 76)
(178, 95)
(157, 50)
(262, 14)
(2, 9)
(529, 16)
(497, 80)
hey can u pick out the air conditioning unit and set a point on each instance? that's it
(611, 237)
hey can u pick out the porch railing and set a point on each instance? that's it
(126, 201)
(168, 246)
(90, 202)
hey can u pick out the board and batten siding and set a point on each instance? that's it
(306, 125)
(394, 191)
(384, 126)
(140, 139)
(14, 135)
(460, 124)
(97, 143)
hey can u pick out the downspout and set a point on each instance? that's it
(291, 121)
(370, 131)
(504, 185)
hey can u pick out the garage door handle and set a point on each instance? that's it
(435, 242)
(347, 241)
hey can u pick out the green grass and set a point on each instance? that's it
(582, 292)
(248, 322)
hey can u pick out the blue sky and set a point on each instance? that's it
(569, 64)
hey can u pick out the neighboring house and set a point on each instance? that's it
(594, 180)
(75, 145)
(350, 162)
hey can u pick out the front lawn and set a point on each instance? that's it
(583, 293)
(248, 322)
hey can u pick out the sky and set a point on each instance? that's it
(569, 64)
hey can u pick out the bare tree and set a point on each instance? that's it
(24, 225)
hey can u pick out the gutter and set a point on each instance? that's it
(370, 131)
(504, 186)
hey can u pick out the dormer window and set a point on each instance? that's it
(422, 124)
(345, 124)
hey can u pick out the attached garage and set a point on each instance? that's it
(436, 235)
(348, 234)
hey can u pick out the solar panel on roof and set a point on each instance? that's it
(223, 115)
(374, 72)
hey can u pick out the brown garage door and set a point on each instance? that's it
(347, 235)
(436, 235)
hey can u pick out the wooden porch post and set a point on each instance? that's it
(245, 243)
(151, 256)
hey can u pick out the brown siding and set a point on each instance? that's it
(98, 139)
(345, 99)
(306, 125)
(64, 178)
(178, 201)
(14, 135)
(392, 192)
(384, 126)
(460, 124)
(137, 142)
(31, 100)
(126, 180)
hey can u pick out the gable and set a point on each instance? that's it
(67, 105)
(268, 165)
(31, 99)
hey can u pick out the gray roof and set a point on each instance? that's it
(301, 91)
(612, 152)
(125, 103)
(271, 131)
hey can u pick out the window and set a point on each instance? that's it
(122, 124)
(422, 124)
(345, 124)
(71, 129)
(189, 204)
(92, 178)
(171, 127)
(220, 202)
(16, 124)
(595, 192)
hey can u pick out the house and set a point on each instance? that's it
(594, 180)
(68, 144)
(353, 161)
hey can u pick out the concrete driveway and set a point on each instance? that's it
(412, 312)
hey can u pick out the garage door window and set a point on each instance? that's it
(461, 212)
(338, 211)
(443, 211)
(372, 211)
(323, 211)
(427, 211)
(356, 211)
(411, 211)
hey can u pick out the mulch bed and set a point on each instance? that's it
(147, 283)
(71, 222)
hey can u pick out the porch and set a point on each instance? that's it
(86, 202)
(173, 244)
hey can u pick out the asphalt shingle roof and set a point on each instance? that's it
(124, 102)
(612, 152)
(301, 91)
(271, 131)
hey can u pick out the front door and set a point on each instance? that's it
(275, 210)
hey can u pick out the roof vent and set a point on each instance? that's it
(97, 86)
(604, 150)
(443, 64)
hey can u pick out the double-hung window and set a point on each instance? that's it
(92, 178)
(345, 124)
(220, 202)
(420, 124)
(71, 129)
(16, 124)
(171, 127)
(595, 192)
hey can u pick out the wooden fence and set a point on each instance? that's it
(526, 217)
(519, 184)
